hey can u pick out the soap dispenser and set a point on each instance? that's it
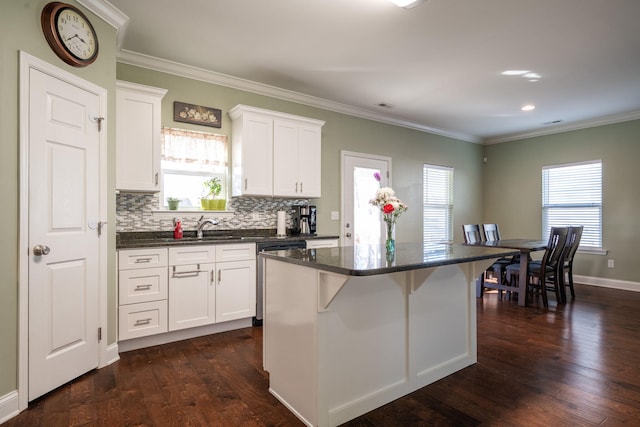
(177, 232)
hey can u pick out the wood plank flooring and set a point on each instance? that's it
(572, 365)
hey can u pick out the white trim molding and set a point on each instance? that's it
(9, 406)
(624, 285)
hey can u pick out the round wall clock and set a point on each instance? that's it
(70, 34)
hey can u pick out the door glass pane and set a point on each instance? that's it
(367, 221)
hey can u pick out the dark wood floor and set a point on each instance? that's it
(571, 365)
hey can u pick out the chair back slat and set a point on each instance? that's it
(471, 233)
(491, 232)
(555, 246)
(573, 242)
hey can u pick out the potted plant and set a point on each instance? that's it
(213, 187)
(173, 203)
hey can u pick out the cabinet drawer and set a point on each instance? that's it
(139, 320)
(322, 243)
(241, 252)
(142, 285)
(142, 258)
(192, 255)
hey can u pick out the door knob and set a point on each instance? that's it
(39, 250)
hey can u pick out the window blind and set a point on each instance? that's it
(437, 212)
(572, 195)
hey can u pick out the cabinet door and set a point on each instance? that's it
(192, 296)
(138, 122)
(309, 161)
(235, 290)
(285, 159)
(252, 155)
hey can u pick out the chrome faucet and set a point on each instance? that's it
(201, 223)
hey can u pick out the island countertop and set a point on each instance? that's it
(368, 261)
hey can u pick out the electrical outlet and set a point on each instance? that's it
(335, 215)
(611, 263)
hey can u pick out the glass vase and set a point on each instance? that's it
(390, 243)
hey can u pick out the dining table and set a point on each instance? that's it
(525, 246)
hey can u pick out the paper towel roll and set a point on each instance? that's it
(281, 228)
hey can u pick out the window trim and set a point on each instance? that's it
(545, 207)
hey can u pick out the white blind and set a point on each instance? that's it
(437, 212)
(572, 195)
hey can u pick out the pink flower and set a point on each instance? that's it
(376, 175)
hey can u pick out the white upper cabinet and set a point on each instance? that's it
(138, 126)
(282, 152)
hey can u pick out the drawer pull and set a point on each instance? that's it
(187, 273)
(141, 322)
(143, 287)
(143, 260)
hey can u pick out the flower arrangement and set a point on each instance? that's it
(391, 208)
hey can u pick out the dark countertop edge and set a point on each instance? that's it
(385, 270)
(151, 239)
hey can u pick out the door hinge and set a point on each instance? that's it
(99, 334)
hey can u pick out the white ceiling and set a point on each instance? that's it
(438, 66)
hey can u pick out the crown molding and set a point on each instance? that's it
(584, 124)
(182, 70)
(111, 15)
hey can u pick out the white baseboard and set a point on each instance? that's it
(607, 283)
(113, 355)
(183, 334)
(9, 406)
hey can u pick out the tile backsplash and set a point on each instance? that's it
(135, 212)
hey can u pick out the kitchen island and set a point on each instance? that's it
(348, 330)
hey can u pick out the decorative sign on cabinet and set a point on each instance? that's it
(138, 126)
(275, 154)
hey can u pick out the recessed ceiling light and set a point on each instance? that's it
(531, 75)
(529, 107)
(515, 72)
(406, 4)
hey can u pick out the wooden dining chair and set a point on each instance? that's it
(497, 270)
(472, 233)
(565, 271)
(543, 274)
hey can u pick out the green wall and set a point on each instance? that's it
(408, 148)
(21, 31)
(513, 190)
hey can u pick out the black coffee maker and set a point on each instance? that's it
(304, 219)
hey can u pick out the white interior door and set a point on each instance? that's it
(64, 180)
(361, 222)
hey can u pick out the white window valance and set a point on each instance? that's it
(185, 146)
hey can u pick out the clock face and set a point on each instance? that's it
(76, 34)
(69, 33)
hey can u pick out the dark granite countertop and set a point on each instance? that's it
(360, 261)
(147, 239)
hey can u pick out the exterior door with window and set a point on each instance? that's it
(362, 223)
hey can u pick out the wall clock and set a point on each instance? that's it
(69, 33)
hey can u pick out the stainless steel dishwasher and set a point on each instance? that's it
(263, 247)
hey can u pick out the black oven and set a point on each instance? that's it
(263, 247)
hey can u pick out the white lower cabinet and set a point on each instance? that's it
(170, 289)
(218, 288)
(192, 295)
(236, 290)
(142, 292)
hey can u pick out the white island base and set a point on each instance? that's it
(338, 346)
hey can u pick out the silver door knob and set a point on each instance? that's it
(39, 250)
